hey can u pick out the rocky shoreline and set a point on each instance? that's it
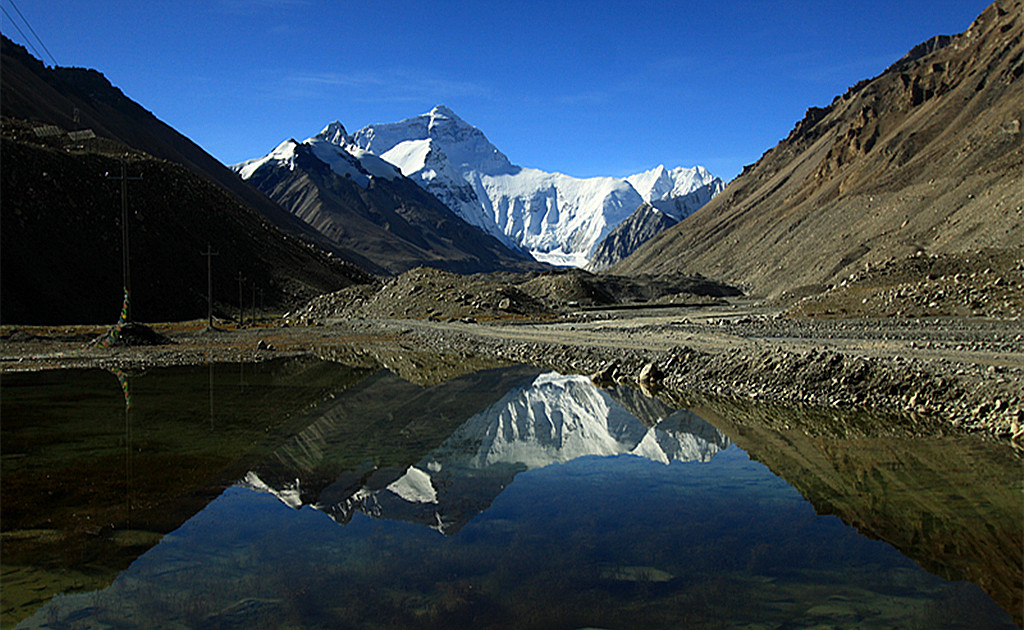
(930, 396)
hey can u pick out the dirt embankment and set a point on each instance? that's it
(432, 294)
(987, 283)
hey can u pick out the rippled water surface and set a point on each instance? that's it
(308, 494)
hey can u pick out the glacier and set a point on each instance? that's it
(557, 218)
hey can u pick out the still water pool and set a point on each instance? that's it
(306, 494)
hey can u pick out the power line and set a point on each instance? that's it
(23, 36)
(38, 39)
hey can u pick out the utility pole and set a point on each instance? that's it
(209, 253)
(125, 258)
(241, 307)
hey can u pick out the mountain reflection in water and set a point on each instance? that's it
(519, 498)
(549, 419)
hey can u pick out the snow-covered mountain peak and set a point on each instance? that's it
(557, 218)
(441, 113)
(331, 146)
(335, 134)
(661, 183)
(282, 155)
(466, 146)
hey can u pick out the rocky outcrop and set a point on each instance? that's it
(642, 225)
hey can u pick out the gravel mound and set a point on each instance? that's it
(132, 334)
(425, 293)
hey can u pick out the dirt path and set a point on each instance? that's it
(978, 342)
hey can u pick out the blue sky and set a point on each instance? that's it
(583, 88)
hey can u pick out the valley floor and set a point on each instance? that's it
(925, 375)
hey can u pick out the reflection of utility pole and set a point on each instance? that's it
(125, 267)
(209, 253)
(122, 380)
(241, 308)
(211, 395)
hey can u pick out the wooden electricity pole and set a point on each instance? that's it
(254, 303)
(209, 253)
(125, 258)
(241, 306)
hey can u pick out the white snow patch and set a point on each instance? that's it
(283, 154)
(340, 161)
(373, 165)
(290, 495)
(649, 448)
(409, 156)
(414, 486)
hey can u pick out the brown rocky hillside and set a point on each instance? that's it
(925, 159)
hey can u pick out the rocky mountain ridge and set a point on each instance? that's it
(645, 223)
(559, 219)
(925, 157)
(361, 202)
(649, 220)
(80, 99)
(64, 131)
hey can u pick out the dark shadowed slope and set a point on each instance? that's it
(644, 224)
(925, 157)
(60, 256)
(33, 92)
